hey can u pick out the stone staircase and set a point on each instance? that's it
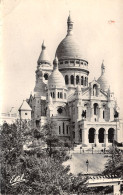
(82, 148)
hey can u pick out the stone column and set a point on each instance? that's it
(116, 189)
(96, 140)
(106, 139)
(55, 94)
(111, 114)
(84, 136)
(91, 113)
(100, 114)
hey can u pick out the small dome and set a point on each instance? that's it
(102, 80)
(69, 49)
(43, 58)
(56, 78)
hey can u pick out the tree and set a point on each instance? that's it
(35, 170)
(114, 165)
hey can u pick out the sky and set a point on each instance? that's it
(26, 23)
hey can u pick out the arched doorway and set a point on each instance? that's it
(110, 135)
(91, 135)
(101, 135)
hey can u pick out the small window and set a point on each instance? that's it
(81, 80)
(95, 88)
(66, 79)
(53, 95)
(61, 95)
(81, 62)
(25, 113)
(66, 62)
(61, 62)
(72, 79)
(59, 130)
(46, 76)
(63, 127)
(58, 94)
(77, 79)
(67, 129)
(85, 81)
(103, 114)
(71, 62)
(77, 62)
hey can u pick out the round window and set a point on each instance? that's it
(59, 110)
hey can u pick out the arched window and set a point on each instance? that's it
(94, 90)
(59, 130)
(58, 94)
(95, 109)
(61, 95)
(66, 79)
(81, 80)
(72, 79)
(53, 95)
(77, 79)
(46, 76)
(101, 135)
(85, 81)
(63, 127)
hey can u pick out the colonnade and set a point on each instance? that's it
(103, 136)
(76, 80)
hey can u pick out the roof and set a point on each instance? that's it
(69, 49)
(43, 58)
(102, 80)
(25, 106)
(56, 78)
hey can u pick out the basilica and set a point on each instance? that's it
(85, 112)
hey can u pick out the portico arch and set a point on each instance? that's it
(101, 135)
(91, 135)
(111, 135)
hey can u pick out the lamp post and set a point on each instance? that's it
(87, 163)
(80, 149)
(92, 149)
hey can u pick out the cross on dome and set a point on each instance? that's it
(43, 46)
(103, 67)
(69, 25)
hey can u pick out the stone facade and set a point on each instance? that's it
(84, 112)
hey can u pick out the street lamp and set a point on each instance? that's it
(80, 149)
(92, 149)
(87, 163)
